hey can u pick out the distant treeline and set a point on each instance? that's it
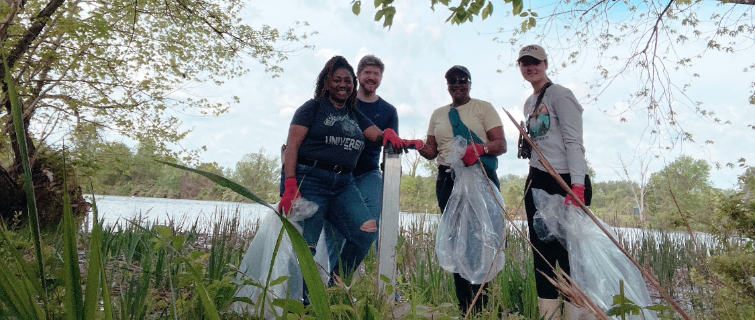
(679, 195)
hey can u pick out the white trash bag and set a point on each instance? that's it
(472, 227)
(256, 263)
(597, 265)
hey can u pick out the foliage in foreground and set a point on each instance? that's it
(149, 272)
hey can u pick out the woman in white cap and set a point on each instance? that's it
(554, 123)
(462, 117)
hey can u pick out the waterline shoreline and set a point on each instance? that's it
(182, 214)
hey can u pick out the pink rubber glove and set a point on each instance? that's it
(470, 158)
(290, 194)
(414, 144)
(579, 191)
(390, 136)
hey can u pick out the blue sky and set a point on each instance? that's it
(417, 51)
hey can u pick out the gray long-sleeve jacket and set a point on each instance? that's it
(556, 129)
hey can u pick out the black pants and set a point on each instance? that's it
(465, 291)
(553, 251)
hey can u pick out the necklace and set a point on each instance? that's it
(342, 111)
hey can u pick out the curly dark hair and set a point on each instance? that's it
(335, 63)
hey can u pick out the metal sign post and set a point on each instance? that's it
(389, 218)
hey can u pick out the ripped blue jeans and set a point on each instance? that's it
(341, 205)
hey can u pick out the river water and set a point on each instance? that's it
(183, 214)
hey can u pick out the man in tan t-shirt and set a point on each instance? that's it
(482, 119)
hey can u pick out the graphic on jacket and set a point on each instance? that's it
(539, 122)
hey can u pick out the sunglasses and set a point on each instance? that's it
(458, 81)
(529, 62)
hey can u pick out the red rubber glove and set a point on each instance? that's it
(390, 136)
(470, 158)
(289, 195)
(414, 144)
(579, 191)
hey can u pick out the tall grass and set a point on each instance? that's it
(31, 202)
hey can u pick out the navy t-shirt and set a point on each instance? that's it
(384, 116)
(335, 135)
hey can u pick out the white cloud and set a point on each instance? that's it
(404, 109)
(324, 54)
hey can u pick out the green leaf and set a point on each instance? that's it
(341, 307)
(196, 255)
(270, 271)
(209, 306)
(619, 300)
(31, 202)
(517, 7)
(357, 7)
(524, 26)
(389, 13)
(532, 22)
(374, 314)
(178, 242)
(14, 296)
(657, 308)
(74, 301)
(279, 281)
(378, 3)
(27, 269)
(317, 295)
(524, 14)
(379, 14)
(164, 231)
(385, 279)
(107, 306)
(488, 11)
(388, 290)
(534, 14)
(93, 282)
(292, 305)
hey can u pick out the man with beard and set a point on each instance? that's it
(367, 175)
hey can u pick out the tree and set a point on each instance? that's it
(639, 190)
(681, 195)
(613, 201)
(261, 174)
(512, 191)
(125, 67)
(623, 39)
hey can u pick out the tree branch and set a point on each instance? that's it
(38, 23)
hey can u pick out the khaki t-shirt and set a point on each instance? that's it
(479, 116)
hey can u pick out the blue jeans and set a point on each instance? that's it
(342, 206)
(370, 185)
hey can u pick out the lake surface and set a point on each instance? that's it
(183, 214)
(116, 210)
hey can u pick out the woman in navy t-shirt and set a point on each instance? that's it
(326, 136)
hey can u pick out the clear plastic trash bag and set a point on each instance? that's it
(597, 265)
(255, 266)
(472, 227)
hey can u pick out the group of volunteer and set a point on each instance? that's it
(334, 144)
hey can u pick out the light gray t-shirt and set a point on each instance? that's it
(556, 129)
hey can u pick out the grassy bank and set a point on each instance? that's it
(150, 272)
